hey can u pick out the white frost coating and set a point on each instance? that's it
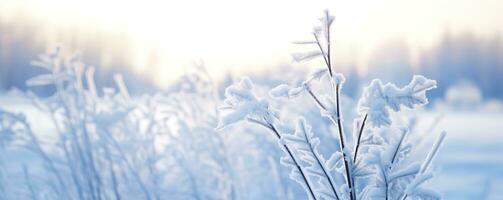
(333, 160)
(409, 170)
(242, 103)
(294, 92)
(280, 91)
(300, 57)
(418, 180)
(433, 153)
(378, 99)
(91, 85)
(119, 80)
(339, 79)
(285, 91)
(423, 175)
(305, 147)
(241, 112)
(294, 174)
(246, 83)
(330, 107)
(317, 75)
(373, 163)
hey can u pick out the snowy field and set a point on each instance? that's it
(471, 162)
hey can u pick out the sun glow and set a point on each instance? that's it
(245, 36)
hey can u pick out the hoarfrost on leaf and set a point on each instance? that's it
(305, 146)
(317, 75)
(300, 57)
(280, 91)
(285, 91)
(240, 103)
(378, 99)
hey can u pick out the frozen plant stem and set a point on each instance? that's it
(322, 53)
(273, 129)
(322, 167)
(429, 159)
(398, 146)
(374, 107)
(433, 153)
(327, 18)
(386, 185)
(318, 102)
(328, 61)
(360, 133)
(343, 145)
(337, 121)
(316, 99)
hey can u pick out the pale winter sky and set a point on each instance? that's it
(246, 36)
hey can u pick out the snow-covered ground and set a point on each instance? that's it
(470, 164)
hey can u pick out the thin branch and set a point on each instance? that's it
(323, 53)
(433, 152)
(343, 145)
(398, 148)
(264, 125)
(296, 163)
(316, 99)
(355, 155)
(328, 62)
(338, 120)
(321, 166)
(385, 182)
(429, 158)
(273, 129)
(327, 16)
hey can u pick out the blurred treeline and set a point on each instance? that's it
(22, 40)
(456, 58)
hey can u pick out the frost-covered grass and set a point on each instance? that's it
(90, 144)
(468, 168)
(84, 142)
(371, 163)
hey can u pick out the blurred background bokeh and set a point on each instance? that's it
(153, 42)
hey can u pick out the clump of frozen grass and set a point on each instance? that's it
(110, 145)
(374, 166)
